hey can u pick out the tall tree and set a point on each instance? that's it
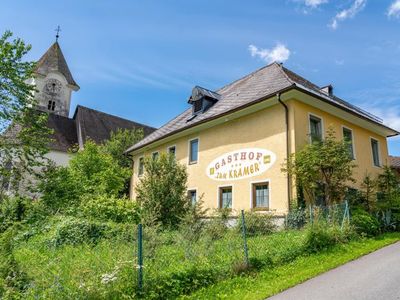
(24, 135)
(323, 169)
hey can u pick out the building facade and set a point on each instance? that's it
(234, 141)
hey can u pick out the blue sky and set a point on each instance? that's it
(140, 59)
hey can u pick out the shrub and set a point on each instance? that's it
(364, 223)
(322, 236)
(110, 208)
(257, 223)
(296, 218)
(162, 190)
(217, 226)
(13, 281)
(75, 231)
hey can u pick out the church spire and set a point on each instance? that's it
(53, 61)
(58, 29)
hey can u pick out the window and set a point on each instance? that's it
(51, 105)
(225, 197)
(192, 195)
(193, 151)
(197, 106)
(172, 150)
(348, 138)
(375, 152)
(315, 129)
(155, 155)
(261, 195)
(141, 166)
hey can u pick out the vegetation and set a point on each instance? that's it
(322, 169)
(23, 132)
(162, 191)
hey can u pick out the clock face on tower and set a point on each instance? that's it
(52, 86)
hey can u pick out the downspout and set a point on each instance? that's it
(278, 96)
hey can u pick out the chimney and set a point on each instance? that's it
(327, 90)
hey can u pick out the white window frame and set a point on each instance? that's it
(352, 140)
(193, 189)
(157, 153)
(169, 147)
(138, 168)
(309, 126)
(198, 151)
(372, 152)
(269, 192)
(219, 194)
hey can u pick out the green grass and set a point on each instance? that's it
(271, 281)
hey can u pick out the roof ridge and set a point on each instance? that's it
(114, 116)
(246, 76)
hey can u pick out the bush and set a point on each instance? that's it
(162, 190)
(13, 281)
(110, 208)
(257, 223)
(75, 231)
(322, 236)
(217, 227)
(364, 223)
(296, 218)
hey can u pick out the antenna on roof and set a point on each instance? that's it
(58, 29)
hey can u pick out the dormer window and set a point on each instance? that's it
(201, 100)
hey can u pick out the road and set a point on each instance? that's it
(371, 277)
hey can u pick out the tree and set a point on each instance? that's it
(24, 135)
(121, 140)
(322, 169)
(368, 193)
(91, 172)
(388, 195)
(162, 190)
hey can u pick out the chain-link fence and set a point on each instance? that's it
(70, 258)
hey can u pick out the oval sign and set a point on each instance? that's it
(240, 164)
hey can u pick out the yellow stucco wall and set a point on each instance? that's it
(264, 129)
(361, 137)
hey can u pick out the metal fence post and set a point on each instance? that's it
(246, 253)
(140, 258)
(346, 214)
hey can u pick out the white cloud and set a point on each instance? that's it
(347, 13)
(314, 3)
(279, 53)
(339, 62)
(394, 9)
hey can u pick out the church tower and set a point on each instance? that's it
(54, 82)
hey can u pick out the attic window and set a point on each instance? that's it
(201, 100)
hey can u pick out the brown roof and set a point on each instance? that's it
(251, 89)
(98, 125)
(394, 161)
(53, 60)
(64, 132)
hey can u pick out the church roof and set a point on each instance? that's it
(251, 89)
(97, 125)
(53, 60)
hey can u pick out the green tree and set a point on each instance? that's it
(121, 140)
(368, 193)
(162, 190)
(24, 135)
(388, 195)
(91, 172)
(322, 169)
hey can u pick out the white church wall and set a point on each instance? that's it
(59, 158)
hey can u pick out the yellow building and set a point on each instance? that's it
(235, 140)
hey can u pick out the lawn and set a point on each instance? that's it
(62, 261)
(269, 282)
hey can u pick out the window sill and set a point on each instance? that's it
(260, 209)
(192, 162)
